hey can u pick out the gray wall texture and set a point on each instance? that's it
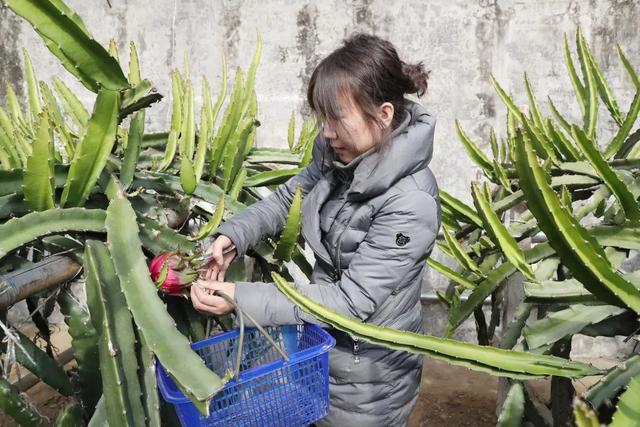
(461, 41)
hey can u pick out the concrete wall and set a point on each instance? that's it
(461, 41)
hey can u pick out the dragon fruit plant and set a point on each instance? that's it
(89, 188)
(556, 215)
(91, 185)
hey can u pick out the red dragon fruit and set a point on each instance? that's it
(172, 273)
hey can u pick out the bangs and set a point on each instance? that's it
(330, 88)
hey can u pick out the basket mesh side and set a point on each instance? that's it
(294, 395)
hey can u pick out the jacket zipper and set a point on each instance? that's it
(339, 241)
(356, 341)
(338, 245)
(319, 255)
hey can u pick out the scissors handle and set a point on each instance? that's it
(228, 249)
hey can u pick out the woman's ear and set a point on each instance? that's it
(385, 114)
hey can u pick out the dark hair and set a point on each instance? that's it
(367, 69)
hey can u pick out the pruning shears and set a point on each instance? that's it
(206, 259)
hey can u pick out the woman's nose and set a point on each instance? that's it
(328, 132)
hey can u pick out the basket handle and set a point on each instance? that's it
(241, 313)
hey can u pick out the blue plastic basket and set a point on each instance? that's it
(269, 391)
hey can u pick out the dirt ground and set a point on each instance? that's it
(453, 396)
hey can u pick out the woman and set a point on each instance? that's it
(370, 213)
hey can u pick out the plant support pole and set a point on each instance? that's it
(48, 273)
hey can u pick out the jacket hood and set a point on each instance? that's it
(408, 150)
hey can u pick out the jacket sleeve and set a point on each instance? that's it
(377, 268)
(267, 217)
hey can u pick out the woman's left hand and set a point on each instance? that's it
(205, 302)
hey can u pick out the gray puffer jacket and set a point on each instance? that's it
(371, 224)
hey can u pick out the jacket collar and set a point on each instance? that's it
(408, 150)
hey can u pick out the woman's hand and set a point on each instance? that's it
(220, 263)
(205, 302)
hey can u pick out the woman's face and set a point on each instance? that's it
(353, 134)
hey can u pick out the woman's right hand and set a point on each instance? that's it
(220, 262)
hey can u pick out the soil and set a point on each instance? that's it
(454, 396)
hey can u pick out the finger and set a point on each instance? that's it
(228, 258)
(218, 246)
(212, 302)
(212, 246)
(215, 269)
(206, 289)
(203, 297)
(198, 293)
(220, 275)
(205, 284)
(199, 290)
(195, 301)
(206, 304)
(206, 296)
